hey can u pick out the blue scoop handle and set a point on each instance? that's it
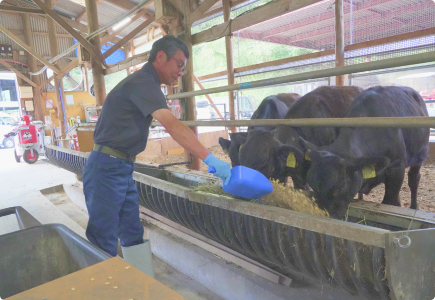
(211, 170)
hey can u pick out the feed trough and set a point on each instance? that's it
(371, 255)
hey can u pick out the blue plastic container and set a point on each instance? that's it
(247, 183)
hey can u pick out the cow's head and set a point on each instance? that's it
(232, 147)
(337, 178)
(259, 151)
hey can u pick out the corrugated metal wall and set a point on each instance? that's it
(41, 44)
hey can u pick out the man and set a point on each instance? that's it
(121, 133)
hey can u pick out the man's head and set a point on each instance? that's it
(168, 56)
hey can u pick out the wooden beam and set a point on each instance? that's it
(128, 37)
(200, 10)
(165, 13)
(28, 49)
(339, 40)
(127, 55)
(94, 52)
(97, 68)
(208, 97)
(20, 10)
(58, 85)
(190, 105)
(178, 4)
(213, 75)
(220, 9)
(230, 63)
(362, 45)
(263, 13)
(392, 39)
(39, 33)
(109, 37)
(128, 63)
(19, 74)
(83, 13)
(146, 41)
(28, 34)
(71, 65)
(128, 5)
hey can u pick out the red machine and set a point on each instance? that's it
(29, 140)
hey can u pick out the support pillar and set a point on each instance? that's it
(37, 102)
(339, 40)
(190, 101)
(54, 50)
(97, 68)
(127, 54)
(230, 62)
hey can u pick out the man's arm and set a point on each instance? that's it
(181, 133)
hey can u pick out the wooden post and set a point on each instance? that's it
(339, 40)
(54, 50)
(127, 54)
(190, 101)
(230, 62)
(15, 57)
(33, 68)
(97, 67)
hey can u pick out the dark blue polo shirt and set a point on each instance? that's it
(126, 115)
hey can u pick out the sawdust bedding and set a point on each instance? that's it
(426, 190)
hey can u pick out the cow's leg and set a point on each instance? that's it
(413, 182)
(393, 182)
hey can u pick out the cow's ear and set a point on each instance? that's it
(370, 166)
(239, 141)
(225, 144)
(307, 145)
(289, 156)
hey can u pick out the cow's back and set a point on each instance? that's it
(288, 98)
(393, 101)
(270, 108)
(323, 102)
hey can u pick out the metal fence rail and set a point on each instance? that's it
(349, 69)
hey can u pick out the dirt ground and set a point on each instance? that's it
(426, 190)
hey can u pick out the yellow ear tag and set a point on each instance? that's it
(240, 147)
(369, 171)
(291, 160)
(307, 157)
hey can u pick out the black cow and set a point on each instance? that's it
(272, 107)
(272, 153)
(288, 98)
(362, 158)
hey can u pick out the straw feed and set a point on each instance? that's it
(292, 199)
(282, 196)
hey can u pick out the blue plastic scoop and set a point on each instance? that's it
(246, 183)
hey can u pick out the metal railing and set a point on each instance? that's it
(356, 68)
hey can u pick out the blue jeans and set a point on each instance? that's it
(112, 202)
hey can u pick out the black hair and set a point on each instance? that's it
(169, 44)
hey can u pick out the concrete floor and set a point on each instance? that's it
(20, 185)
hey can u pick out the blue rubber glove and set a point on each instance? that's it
(221, 168)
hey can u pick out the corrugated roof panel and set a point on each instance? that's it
(69, 7)
(133, 25)
(107, 13)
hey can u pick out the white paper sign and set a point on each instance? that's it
(69, 100)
